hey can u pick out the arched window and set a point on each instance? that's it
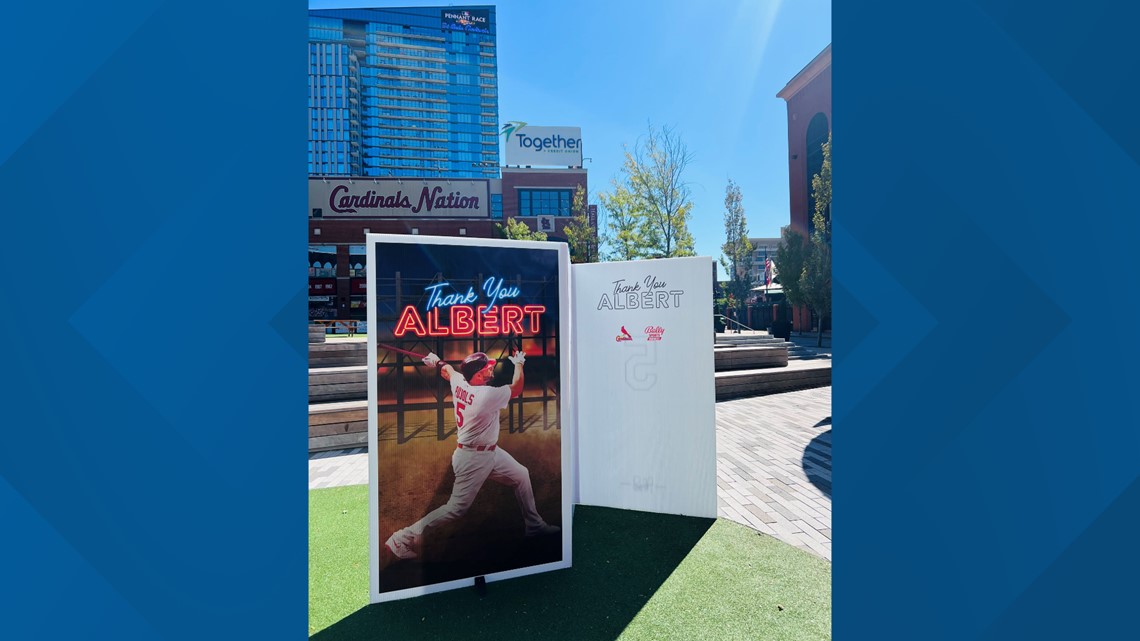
(817, 132)
(323, 261)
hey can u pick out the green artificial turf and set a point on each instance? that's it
(338, 553)
(636, 576)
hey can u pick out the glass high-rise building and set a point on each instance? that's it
(404, 92)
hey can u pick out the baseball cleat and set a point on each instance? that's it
(545, 528)
(400, 544)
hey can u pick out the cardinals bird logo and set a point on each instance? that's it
(623, 336)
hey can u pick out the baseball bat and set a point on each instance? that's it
(403, 351)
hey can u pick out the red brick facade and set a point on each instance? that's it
(515, 179)
(807, 94)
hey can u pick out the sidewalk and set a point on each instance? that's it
(773, 466)
(809, 339)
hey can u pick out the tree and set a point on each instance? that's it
(805, 263)
(516, 229)
(650, 205)
(654, 170)
(821, 191)
(580, 234)
(737, 249)
(622, 237)
(818, 274)
(791, 260)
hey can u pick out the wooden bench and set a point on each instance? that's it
(339, 353)
(338, 383)
(758, 382)
(334, 426)
(734, 340)
(316, 334)
(750, 357)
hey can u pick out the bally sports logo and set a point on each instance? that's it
(652, 333)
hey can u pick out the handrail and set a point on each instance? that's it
(732, 320)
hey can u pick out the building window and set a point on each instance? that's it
(357, 261)
(545, 202)
(497, 206)
(322, 261)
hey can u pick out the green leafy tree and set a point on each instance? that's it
(654, 171)
(649, 207)
(791, 260)
(580, 234)
(516, 229)
(622, 237)
(818, 273)
(737, 249)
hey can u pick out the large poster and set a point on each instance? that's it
(469, 431)
(643, 337)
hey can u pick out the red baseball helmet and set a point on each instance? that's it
(475, 363)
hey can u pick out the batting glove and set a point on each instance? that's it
(519, 358)
(431, 360)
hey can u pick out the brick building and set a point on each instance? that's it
(808, 97)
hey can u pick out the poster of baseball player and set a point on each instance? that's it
(468, 429)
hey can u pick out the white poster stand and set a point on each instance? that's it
(644, 376)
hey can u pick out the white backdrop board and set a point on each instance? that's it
(643, 345)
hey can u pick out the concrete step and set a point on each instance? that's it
(338, 425)
(750, 357)
(347, 383)
(751, 340)
(795, 352)
(338, 383)
(338, 353)
(341, 424)
(742, 337)
(760, 382)
(316, 334)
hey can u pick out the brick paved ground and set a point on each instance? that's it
(340, 467)
(773, 466)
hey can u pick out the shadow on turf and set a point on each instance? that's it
(818, 453)
(621, 558)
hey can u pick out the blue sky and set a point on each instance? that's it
(710, 70)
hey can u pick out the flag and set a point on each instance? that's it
(767, 268)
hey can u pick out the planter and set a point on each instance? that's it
(782, 329)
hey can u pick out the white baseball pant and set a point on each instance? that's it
(472, 469)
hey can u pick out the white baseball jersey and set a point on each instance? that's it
(477, 410)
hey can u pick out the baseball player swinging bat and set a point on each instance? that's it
(477, 457)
